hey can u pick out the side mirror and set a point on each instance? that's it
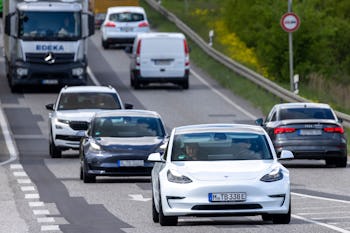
(155, 157)
(163, 146)
(49, 106)
(340, 120)
(259, 121)
(91, 20)
(286, 154)
(128, 106)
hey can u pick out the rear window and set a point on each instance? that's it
(127, 17)
(306, 113)
(162, 45)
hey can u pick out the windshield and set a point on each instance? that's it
(127, 126)
(48, 26)
(88, 100)
(220, 146)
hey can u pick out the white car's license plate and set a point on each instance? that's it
(226, 197)
(162, 62)
(50, 81)
(131, 163)
(126, 29)
(310, 132)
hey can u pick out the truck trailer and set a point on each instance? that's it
(45, 42)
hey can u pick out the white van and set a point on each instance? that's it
(160, 57)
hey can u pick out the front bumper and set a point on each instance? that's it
(192, 199)
(46, 74)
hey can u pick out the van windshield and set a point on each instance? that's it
(163, 45)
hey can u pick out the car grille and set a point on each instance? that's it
(68, 138)
(60, 58)
(79, 125)
(227, 207)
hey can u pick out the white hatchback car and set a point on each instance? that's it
(235, 172)
(72, 112)
(122, 24)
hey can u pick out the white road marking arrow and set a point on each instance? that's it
(139, 197)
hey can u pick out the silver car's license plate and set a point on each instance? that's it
(131, 163)
(50, 81)
(226, 197)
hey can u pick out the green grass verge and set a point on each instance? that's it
(240, 86)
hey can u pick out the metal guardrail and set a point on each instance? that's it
(235, 66)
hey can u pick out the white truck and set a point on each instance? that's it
(45, 42)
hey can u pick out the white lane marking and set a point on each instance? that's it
(36, 204)
(41, 212)
(343, 217)
(224, 97)
(328, 212)
(32, 196)
(27, 188)
(8, 139)
(321, 224)
(93, 77)
(320, 198)
(46, 219)
(20, 174)
(24, 181)
(16, 166)
(50, 228)
(139, 197)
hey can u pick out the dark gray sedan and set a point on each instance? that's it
(118, 142)
(309, 130)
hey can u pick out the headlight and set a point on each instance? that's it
(275, 175)
(58, 123)
(95, 147)
(63, 121)
(77, 71)
(175, 177)
(22, 71)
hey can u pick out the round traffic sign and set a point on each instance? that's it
(290, 22)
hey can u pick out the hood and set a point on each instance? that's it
(130, 145)
(77, 115)
(225, 170)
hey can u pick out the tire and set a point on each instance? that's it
(266, 217)
(282, 218)
(338, 162)
(87, 178)
(185, 84)
(137, 84)
(55, 152)
(166, 220)
(155, 214)
(105, 44)
(81, 173)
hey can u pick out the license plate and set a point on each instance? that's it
(50, 81)
(310, 132)
(162, 62)
(131, 163)
(227, 197)
(126, 29)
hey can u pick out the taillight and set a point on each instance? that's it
(138, 49)
(110, 24)
(334, 130)
(283, 130)
(187, 51)
(143, 24)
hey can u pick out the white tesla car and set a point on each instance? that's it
(220, 169)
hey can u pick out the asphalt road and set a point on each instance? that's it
(40, 194)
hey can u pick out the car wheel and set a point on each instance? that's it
(266, 217)
(155, 214)
(166, 220)
(105, 44)
(282, 218)
(55, 152)
(185, 84)
(338, 162)
(81, 173)
(88, 178)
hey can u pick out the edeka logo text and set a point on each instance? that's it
(53, 48)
